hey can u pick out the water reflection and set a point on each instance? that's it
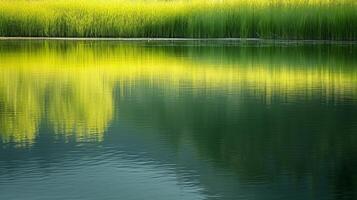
(73, 101)
(270, 120)
(71, 85)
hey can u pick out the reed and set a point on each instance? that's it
(273, 19)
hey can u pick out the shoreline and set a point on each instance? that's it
(258, 40)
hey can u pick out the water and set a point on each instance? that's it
(177, 120)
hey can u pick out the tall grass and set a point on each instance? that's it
(273, 19)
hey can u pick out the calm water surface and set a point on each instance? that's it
(183, 120)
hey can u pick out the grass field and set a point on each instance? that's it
(273, 19)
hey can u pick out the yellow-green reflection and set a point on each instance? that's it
(75, 103)
(71, 86)
(21, 107)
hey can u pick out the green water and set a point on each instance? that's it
(177, 120)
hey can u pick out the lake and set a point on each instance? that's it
(177, 120)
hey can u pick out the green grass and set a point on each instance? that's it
(272, 19)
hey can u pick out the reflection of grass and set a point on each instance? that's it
(81, 105)
(293, 19)
(72, 88)
(78, 104)
(128, 64)
(20, 108)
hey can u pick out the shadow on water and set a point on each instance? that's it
(251, 120)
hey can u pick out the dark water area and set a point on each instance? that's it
(177, 120)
